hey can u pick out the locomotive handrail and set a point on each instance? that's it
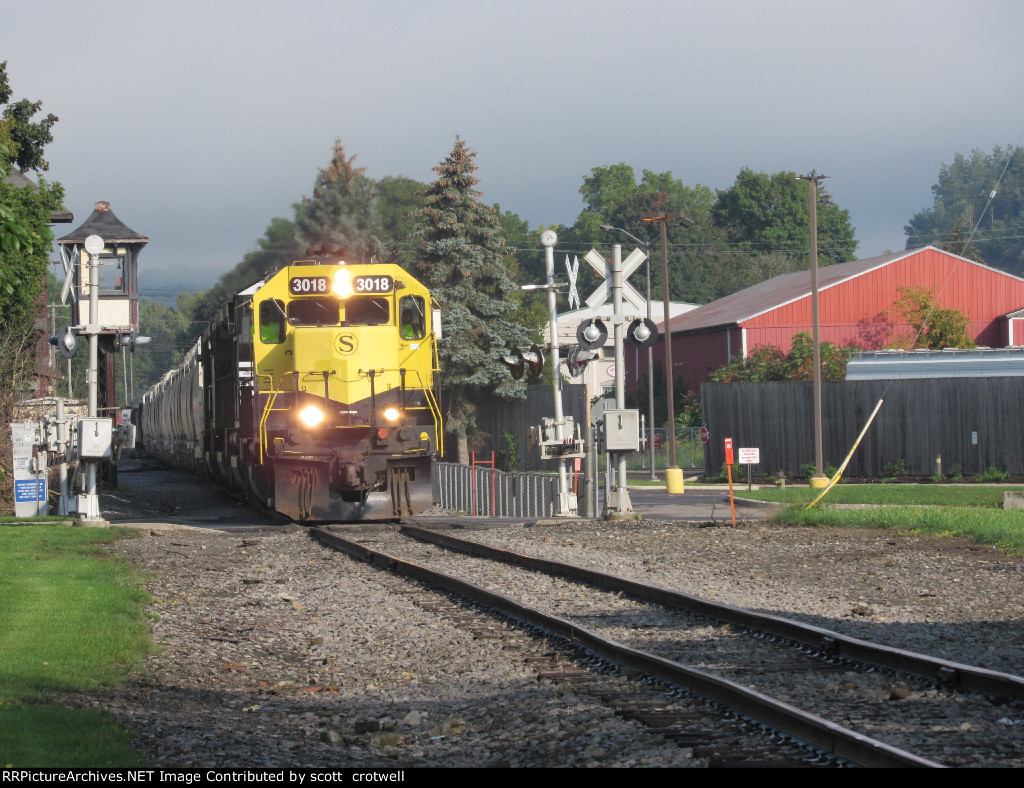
(432, 406)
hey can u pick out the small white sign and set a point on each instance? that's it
(750, 456)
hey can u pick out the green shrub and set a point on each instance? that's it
(994, 474)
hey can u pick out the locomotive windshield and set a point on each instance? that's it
(329, 311)
(313, 312)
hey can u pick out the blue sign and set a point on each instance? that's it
(29, 490)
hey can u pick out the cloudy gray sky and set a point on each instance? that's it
(202, 120)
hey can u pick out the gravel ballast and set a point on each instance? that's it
(275, 652)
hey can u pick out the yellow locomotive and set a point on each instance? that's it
(311, 392)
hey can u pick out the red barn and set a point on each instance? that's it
(856, 307)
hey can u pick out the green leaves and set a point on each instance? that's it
(933, 327)
(963, 201)
(767, 363)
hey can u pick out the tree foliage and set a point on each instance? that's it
(463, 261)
(29, 138)
(757, 229)
(962, 200)
(768, 363)
(771, 214)
(934, 328)
(341, 210)
(25, 234)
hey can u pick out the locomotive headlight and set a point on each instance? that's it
(311, 416)
(392, 414)
(342, 283)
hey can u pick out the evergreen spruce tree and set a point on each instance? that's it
(463, 262)
(342, 210)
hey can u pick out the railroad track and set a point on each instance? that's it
(761, 666)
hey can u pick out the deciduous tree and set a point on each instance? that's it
(963, 196)
(25, 211)
(770, 213)
(934, 327)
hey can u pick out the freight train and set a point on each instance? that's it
(311, 393)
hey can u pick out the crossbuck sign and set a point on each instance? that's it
(604, 268)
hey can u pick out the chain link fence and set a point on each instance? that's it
(689, 450)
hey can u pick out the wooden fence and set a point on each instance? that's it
(973, 423)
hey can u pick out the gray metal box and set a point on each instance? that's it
(622, 430)
(95, 439)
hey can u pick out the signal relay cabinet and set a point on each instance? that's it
(622, 430)
(95, 439)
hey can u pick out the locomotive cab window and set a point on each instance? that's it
(366, 312)
(313, 312)
(412, 318)
(272, 321)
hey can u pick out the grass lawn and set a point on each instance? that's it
(890, 494)
(70, 618)
(971, 512)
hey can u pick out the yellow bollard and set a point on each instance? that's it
(818, 482)
(674, 481)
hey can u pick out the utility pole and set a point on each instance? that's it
(673, 473)
(819, 480)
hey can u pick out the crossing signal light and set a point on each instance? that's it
(591, 334)
(525, 361)
(534, 359)
(578, 358)
(66, 343)
(642, 332)
(515, 362)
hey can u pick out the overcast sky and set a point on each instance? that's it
(201, 121)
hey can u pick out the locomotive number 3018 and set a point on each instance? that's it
(373, 284)
(314, 285)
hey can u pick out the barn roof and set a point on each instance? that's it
(781, 290)
(20, 180)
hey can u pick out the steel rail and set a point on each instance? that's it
(950, 674)
(806, 727)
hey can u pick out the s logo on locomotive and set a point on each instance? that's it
(345, 344)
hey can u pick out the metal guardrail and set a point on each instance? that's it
(488, 492)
